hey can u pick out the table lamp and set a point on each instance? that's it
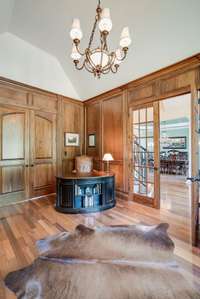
(108, 157)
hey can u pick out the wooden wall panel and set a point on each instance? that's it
(44, 136)
(112, 127)
(12, 179)
(105, 119)
(73, 122)
(93, 126)
(13, 136)
(13, 96)
(176, 82)
(141, 92)
(43, 175)
(44, 102)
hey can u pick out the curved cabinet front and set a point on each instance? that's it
(85, 194)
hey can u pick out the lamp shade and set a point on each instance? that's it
(108, 157)
(105, 23)
(125, 39)
(76, 32)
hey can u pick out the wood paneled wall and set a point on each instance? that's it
(106, 119)
(71, 121)
(41, 118)
(107, 115)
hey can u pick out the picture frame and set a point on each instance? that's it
(179, 142)
(71, 139)
(92, 140)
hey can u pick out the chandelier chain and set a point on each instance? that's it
(92, 34)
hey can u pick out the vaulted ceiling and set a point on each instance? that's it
(163, 32)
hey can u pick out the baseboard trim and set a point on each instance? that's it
(26, 200)
(122, 195)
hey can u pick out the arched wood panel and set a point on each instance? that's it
(43, 137)
(13, 154)
(43, 153)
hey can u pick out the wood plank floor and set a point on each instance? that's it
(22, 224)
(175, 195)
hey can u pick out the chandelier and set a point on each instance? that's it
(99, 60)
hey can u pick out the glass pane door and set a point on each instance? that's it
(145, 149)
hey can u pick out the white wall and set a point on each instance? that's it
(23, 62)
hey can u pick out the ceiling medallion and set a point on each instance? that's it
(99, 60)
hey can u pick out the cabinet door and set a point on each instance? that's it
(42, 153)
(14, 160)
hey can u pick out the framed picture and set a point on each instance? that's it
(71, 139)
(175, 143)
(92, 140)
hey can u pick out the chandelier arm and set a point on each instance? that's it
(124, 56)
(88, 69)
(81, 67)
(77, 48)
(90, 60)
(106, 72)
(115, 69)
(110, 62)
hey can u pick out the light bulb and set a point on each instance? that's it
(75, 55)
(105, 23)
(125, 39)
(76, 32)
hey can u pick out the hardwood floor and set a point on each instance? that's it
(22, 224)
(175, 195)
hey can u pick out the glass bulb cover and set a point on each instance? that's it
(76, 24)
(75, 55)
(105, 13)
(105, 24)
(96, 58)
(125, 39)
(125, 42)
(76, 34)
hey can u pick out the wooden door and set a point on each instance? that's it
(144, 182)
(14, 145)
(42, 153)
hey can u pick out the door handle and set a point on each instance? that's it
(32, 165)
(26, 165)
(194, 179)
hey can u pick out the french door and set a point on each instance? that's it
(144, 179)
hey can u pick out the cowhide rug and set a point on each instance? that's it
(121, 262)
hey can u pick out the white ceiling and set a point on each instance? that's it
(163, 32)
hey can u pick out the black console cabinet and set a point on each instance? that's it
(85, 193)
